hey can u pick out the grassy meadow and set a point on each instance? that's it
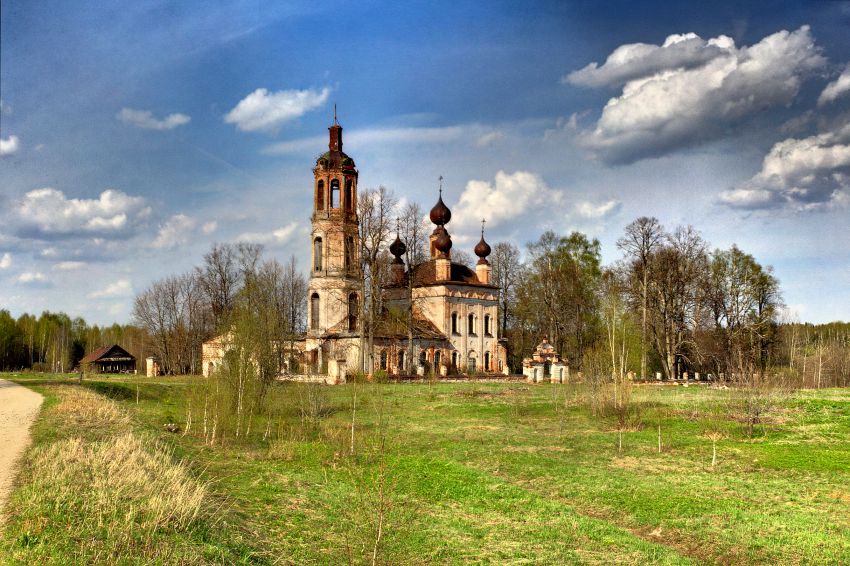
(445, 473)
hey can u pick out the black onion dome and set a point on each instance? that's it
(440, 214)
(443, 243)
(482, 249)
(397, 248)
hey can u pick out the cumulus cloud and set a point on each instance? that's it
(279, 236)
(33, 279)
(69, 265)
(838, 87)
(6, 261)
(9, 146)
(120, 288)
(209, 227)
(145, 119)
(590, 211)
(806, 174)
(509, 195)
(174, 232)
(688, 90)
(49, 213)
(489, 138)
(266, 111)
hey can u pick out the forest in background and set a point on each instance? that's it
(672, 304)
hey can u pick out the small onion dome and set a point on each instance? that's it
(440, 214)
(443, 243)
(397, 248)
(482, 250)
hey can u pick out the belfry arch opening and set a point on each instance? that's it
(335, 193)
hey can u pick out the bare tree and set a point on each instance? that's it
(220, 279)
(413, 230)
(642, 237)
(506, 270)
(375, 210)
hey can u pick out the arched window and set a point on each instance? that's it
(423, 358)
(317, 254)
(320, 196)
(349, 252)
(454, 360)
(352, 312)
(471, 324)
(384, 360)
(487, 331)
(486, 361)
(400, 367)
(349, 196)
(454, 323)
(335, 193)
(314, 311)
(437, 360)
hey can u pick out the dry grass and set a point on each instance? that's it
(105, 493)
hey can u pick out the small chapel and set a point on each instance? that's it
(454, 307)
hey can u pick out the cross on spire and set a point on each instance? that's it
(441, 185)
(483, 221)
(335, 122)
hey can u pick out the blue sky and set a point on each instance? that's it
(136, 134)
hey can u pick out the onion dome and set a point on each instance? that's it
(443, 242)
(482, 248)
(440, 214)
(397, 248)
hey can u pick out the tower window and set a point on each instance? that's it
(352, 312)
(314, 311)
(317, 254)
(335, 193)
(349, 252)
(320, 196)
(454, 323)
(349, 196)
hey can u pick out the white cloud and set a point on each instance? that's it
(635, 60)
(806, 174)
(489, 138)
(9, 146)
(590, 211)
(376, 136)
(209, 227)
(69, 265)
(838, 87)
(145, 119)
(509, 196)
(48, 212)
(279, 236)
(33, 279)
(265, 111)
(689, 90)
(6, 261)
(120, 288)
(174, 232)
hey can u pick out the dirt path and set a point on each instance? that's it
(18, 409)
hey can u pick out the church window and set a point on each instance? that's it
(317, 254)
(320, 196)
(384, 360)
(314, 311)
(486, 361)
(454, 360)
(487, 331)
(454, 323)
(335, 193)
(423, 358)
(349, 252)
(400, 367)
(349, 195)
(471, 324)
(437, 360)
(352, 312)
(470, 363)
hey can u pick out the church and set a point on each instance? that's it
(453, 308)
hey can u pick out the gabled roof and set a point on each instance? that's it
(104, 351)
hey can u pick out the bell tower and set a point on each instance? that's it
(334, 291)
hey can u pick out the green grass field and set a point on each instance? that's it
(453, 474)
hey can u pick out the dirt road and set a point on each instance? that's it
(18, 409)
